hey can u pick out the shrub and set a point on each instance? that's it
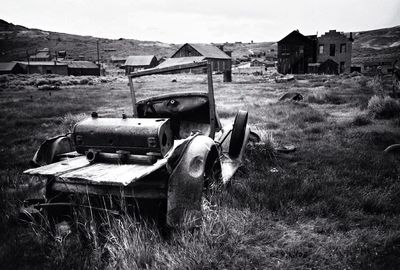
(363, 82)
(69, 120)
(258, 154)
(3, 78)
(55, 82)
(42, 82)
(65, 83)
(308, 115)
(325, 98)
(383, 107)
(361, 120)
(84, 81)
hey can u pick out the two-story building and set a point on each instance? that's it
(336, 47)
(328, 54)
(295, 52)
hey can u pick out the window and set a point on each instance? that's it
(343, 48)
(321, 49)
(332, 49)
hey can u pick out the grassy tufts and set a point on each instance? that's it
(325, 98)
(307, 115)
(361, 119)
(383, 107)
(69, 120)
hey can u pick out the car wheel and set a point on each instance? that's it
(238, 133)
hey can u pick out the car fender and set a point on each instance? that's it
(49, 149)
(186, 181)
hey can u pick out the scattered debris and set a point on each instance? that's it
(283, 79)
(274, 170)
(286, 149)
(394, 148)
(292, 96)
(48, 87)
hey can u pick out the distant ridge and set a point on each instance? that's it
(16, 40)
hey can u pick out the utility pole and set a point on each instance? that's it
(27, 56)
(98, 56)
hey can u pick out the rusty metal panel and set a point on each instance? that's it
(137, 136)
(187, 181)
(153, 193)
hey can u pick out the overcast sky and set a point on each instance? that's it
(180, 21)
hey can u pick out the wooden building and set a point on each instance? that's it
(83, 68)
(168, 62)
(295, 52)
(41, 56)
(76, 68)
(45, 67)
(139, 62)
(11, 68)
(337, 47)
(220, 61)
(369, 65)
(118, 60)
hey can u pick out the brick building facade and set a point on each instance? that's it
(337, 47)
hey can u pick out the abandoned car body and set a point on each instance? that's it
(169, 153)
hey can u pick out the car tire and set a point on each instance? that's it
(238, 134)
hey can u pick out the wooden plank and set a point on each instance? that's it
(211, 100)
(80, 170)
(153, 71)
(133, 97)
(60, 167)
(112, 174)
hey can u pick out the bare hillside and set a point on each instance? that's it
(380, 43)
(16, 41)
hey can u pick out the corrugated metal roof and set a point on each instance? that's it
(118, 58)
(44, 63)
(139, 60)
(180, 60)
(40, 55)
(81, 64)
(209, 51)
(7, 66)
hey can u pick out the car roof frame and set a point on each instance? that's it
(163, 70)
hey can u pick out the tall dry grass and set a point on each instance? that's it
(331, 204)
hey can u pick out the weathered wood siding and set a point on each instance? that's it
(295, 52)
(186, 51)
(218, 65)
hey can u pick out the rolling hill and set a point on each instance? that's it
(16, 41)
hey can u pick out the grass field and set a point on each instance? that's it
(334, 203)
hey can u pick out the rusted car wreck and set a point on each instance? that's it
(172, 149)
